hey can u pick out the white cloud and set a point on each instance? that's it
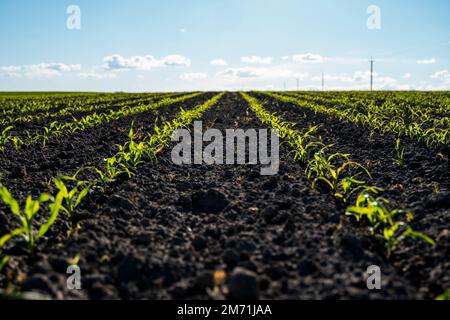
(193, 76)
(284, 57)
(45, 70)
(240, 72)
(443, 75)
(95, 75)
(262, 73)
(257, 59)
(426, 61)
(357, 77)
(11, 68)
(176, 60)
(307, 58)
(218, 62)
(407, 75)
(117, 62)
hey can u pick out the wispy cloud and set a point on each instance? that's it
(245, 72)
(218, 62)
(117, 62)
(193, 76)
(443, 75)
(256, 59)
(262, 73)
(43, 70)
(96, 75)
(358, 76)
(407, 75)
(307, 58)
(426, 61)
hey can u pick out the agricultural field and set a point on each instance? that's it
(88, 180)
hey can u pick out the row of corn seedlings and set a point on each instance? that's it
(56, 129)
(374, 120)
(36, 103)
(345, 179)
(70, 110)
(430, 109)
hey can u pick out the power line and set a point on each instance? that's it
(323, 82)
(371, 73)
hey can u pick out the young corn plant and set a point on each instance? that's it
(5, 138)
(399, 231)
(131, 153)
(303, 144)
(372, 209)
(321, 168)
(72, 197)
(400, 152)
(27, 215)
(382, 221)
(108, 174)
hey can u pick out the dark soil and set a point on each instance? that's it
(173, 231)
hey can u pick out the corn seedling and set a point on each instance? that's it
(72, 197)
(27, 216)
(399, 231)
(5, 138)
(400, 152)
(321, 168)
(382, 221)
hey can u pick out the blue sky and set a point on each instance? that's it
(139, 45)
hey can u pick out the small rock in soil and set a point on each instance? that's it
(306, 267)
(212, 201)
(271, 184)
(117, 201)
(438, 200)
(41, 283)
(144, 238)
(353, 246)
(199, 243)
(231, 258)
(243, 284)
(205, 280)
(269, 213)
(246, 245)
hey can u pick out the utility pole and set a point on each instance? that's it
(371, 73)
(323, 82)
(297, 83)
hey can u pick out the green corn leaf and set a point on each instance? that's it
(12, 234)
(82, 194)
(55, 207)
(9, 200)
